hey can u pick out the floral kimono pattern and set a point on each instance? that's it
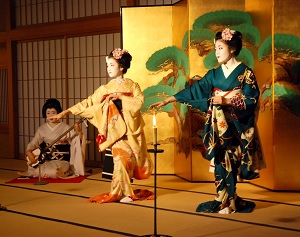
(228, 132)
(123, 132)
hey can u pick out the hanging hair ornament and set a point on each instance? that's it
(227, 34)
(118, 53)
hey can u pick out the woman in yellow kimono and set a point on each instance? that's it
(114, 109)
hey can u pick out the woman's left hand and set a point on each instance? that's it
(114, 96)
(221, 100)
(77, 128)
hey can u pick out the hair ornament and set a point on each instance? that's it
(118, 53)
(227, 34)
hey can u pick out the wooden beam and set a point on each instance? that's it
(101, 24)
(13, 142)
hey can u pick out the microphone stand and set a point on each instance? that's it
(40, 181)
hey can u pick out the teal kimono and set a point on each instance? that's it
(229, 132)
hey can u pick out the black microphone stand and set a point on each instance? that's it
(40, 181)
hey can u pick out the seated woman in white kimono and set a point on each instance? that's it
(67, 163)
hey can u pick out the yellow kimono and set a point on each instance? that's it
(123, 132)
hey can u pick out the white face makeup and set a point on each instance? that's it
(223, 53)
(51, 112)
(113, 68)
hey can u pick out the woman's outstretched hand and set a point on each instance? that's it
(159, 104)
(60, 115)
(164, 102)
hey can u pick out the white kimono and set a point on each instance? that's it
(58, 168)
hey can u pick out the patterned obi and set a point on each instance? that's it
(226, 94)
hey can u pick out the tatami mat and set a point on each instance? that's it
(61, 209)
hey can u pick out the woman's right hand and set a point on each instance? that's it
(164, 102)
(159, 104)
(31, 157)
(114, 96)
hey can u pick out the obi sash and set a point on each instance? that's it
(226, 94)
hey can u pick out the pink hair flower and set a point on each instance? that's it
(118, 53)
(227, 34)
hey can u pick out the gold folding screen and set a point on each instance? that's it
(275, 64)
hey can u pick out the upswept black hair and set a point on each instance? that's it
(51, 104)
(235, 43)
(123, 59)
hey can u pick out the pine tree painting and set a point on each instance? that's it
(175, 61)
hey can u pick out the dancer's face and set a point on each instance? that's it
(223, 53)
(113, 68)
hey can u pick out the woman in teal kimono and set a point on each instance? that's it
(229, 95)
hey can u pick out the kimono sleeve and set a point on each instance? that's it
(251, 95)
(131, 110)
(197, 95)
(251, 90)
(77, 153)
(36, 140)
(132, 104)
(95, 98)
